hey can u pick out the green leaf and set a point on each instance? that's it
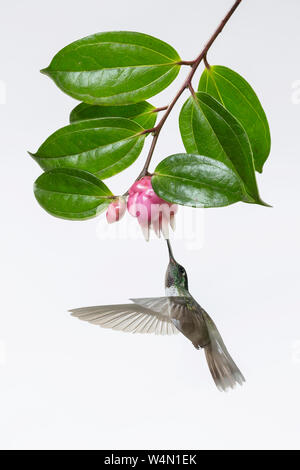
(143, 113)
(235, 93)
(101, 146)
(114, 68)
(197, 181)
(71, 194)
(207, 128)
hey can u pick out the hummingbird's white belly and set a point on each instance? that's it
(172, 291)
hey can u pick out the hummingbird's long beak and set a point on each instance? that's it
(172, 259)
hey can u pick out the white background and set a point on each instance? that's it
(68, 384)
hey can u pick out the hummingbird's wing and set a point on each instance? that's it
(132, 318)
(186, 316)
(158, 304)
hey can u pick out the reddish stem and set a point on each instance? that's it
(186, 84)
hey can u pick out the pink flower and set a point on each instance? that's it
(150, 210)
(116, 210)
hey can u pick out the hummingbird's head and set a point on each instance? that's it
(176, 274)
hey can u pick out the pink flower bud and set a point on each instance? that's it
(150, 210)
(116, 210)
(141, 185)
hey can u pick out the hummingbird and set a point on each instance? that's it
(176, 312)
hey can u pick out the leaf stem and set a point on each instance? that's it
(205, 62)
(190, 87)
(186, 84)
(162, 108)
(186, 62)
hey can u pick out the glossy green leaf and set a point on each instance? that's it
(235, 93)
(197, 181)
(101, 146)
(71, 194)
(207, 128)
(143, 113)
(114, 68)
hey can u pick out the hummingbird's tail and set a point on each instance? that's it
(222, 367)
